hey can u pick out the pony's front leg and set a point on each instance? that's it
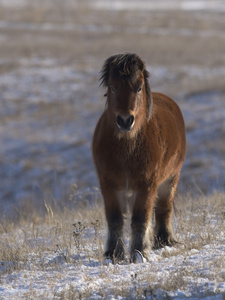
(141, 223)
(114, 245)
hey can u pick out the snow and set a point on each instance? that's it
(51, 262)
(36, 85)
(109, 29)
(89, 277)
(159, 5)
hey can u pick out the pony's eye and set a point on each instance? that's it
(112, 89)
(139, 89)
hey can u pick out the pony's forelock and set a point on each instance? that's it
(120, 65)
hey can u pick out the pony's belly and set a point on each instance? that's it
(126, 199)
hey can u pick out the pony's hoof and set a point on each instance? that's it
(163, 241)
(138, 258)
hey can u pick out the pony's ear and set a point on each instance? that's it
(104, 73)
(148, 92)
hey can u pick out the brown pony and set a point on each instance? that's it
(138, 148)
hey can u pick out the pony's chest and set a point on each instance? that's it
(124, 165)
(126, 199)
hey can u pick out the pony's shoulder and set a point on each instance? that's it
(163, 102)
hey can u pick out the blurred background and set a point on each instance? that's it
(51, 52)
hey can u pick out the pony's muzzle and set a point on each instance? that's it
(125, 124)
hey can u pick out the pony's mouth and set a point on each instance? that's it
(125, 124)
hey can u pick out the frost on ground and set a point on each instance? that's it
(60, 257)
(50, 58)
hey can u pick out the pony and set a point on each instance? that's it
(138, 149)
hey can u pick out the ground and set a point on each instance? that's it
(61, 257)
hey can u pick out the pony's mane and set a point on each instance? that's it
(125, 66)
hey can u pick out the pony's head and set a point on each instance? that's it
(128, 91)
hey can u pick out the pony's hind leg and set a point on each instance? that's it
(114, 245)
(163, 235)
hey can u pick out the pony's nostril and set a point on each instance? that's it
(130, 121)
(120, 121)
(125, 124)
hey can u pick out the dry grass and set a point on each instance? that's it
(77, 238)
(72, 39)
